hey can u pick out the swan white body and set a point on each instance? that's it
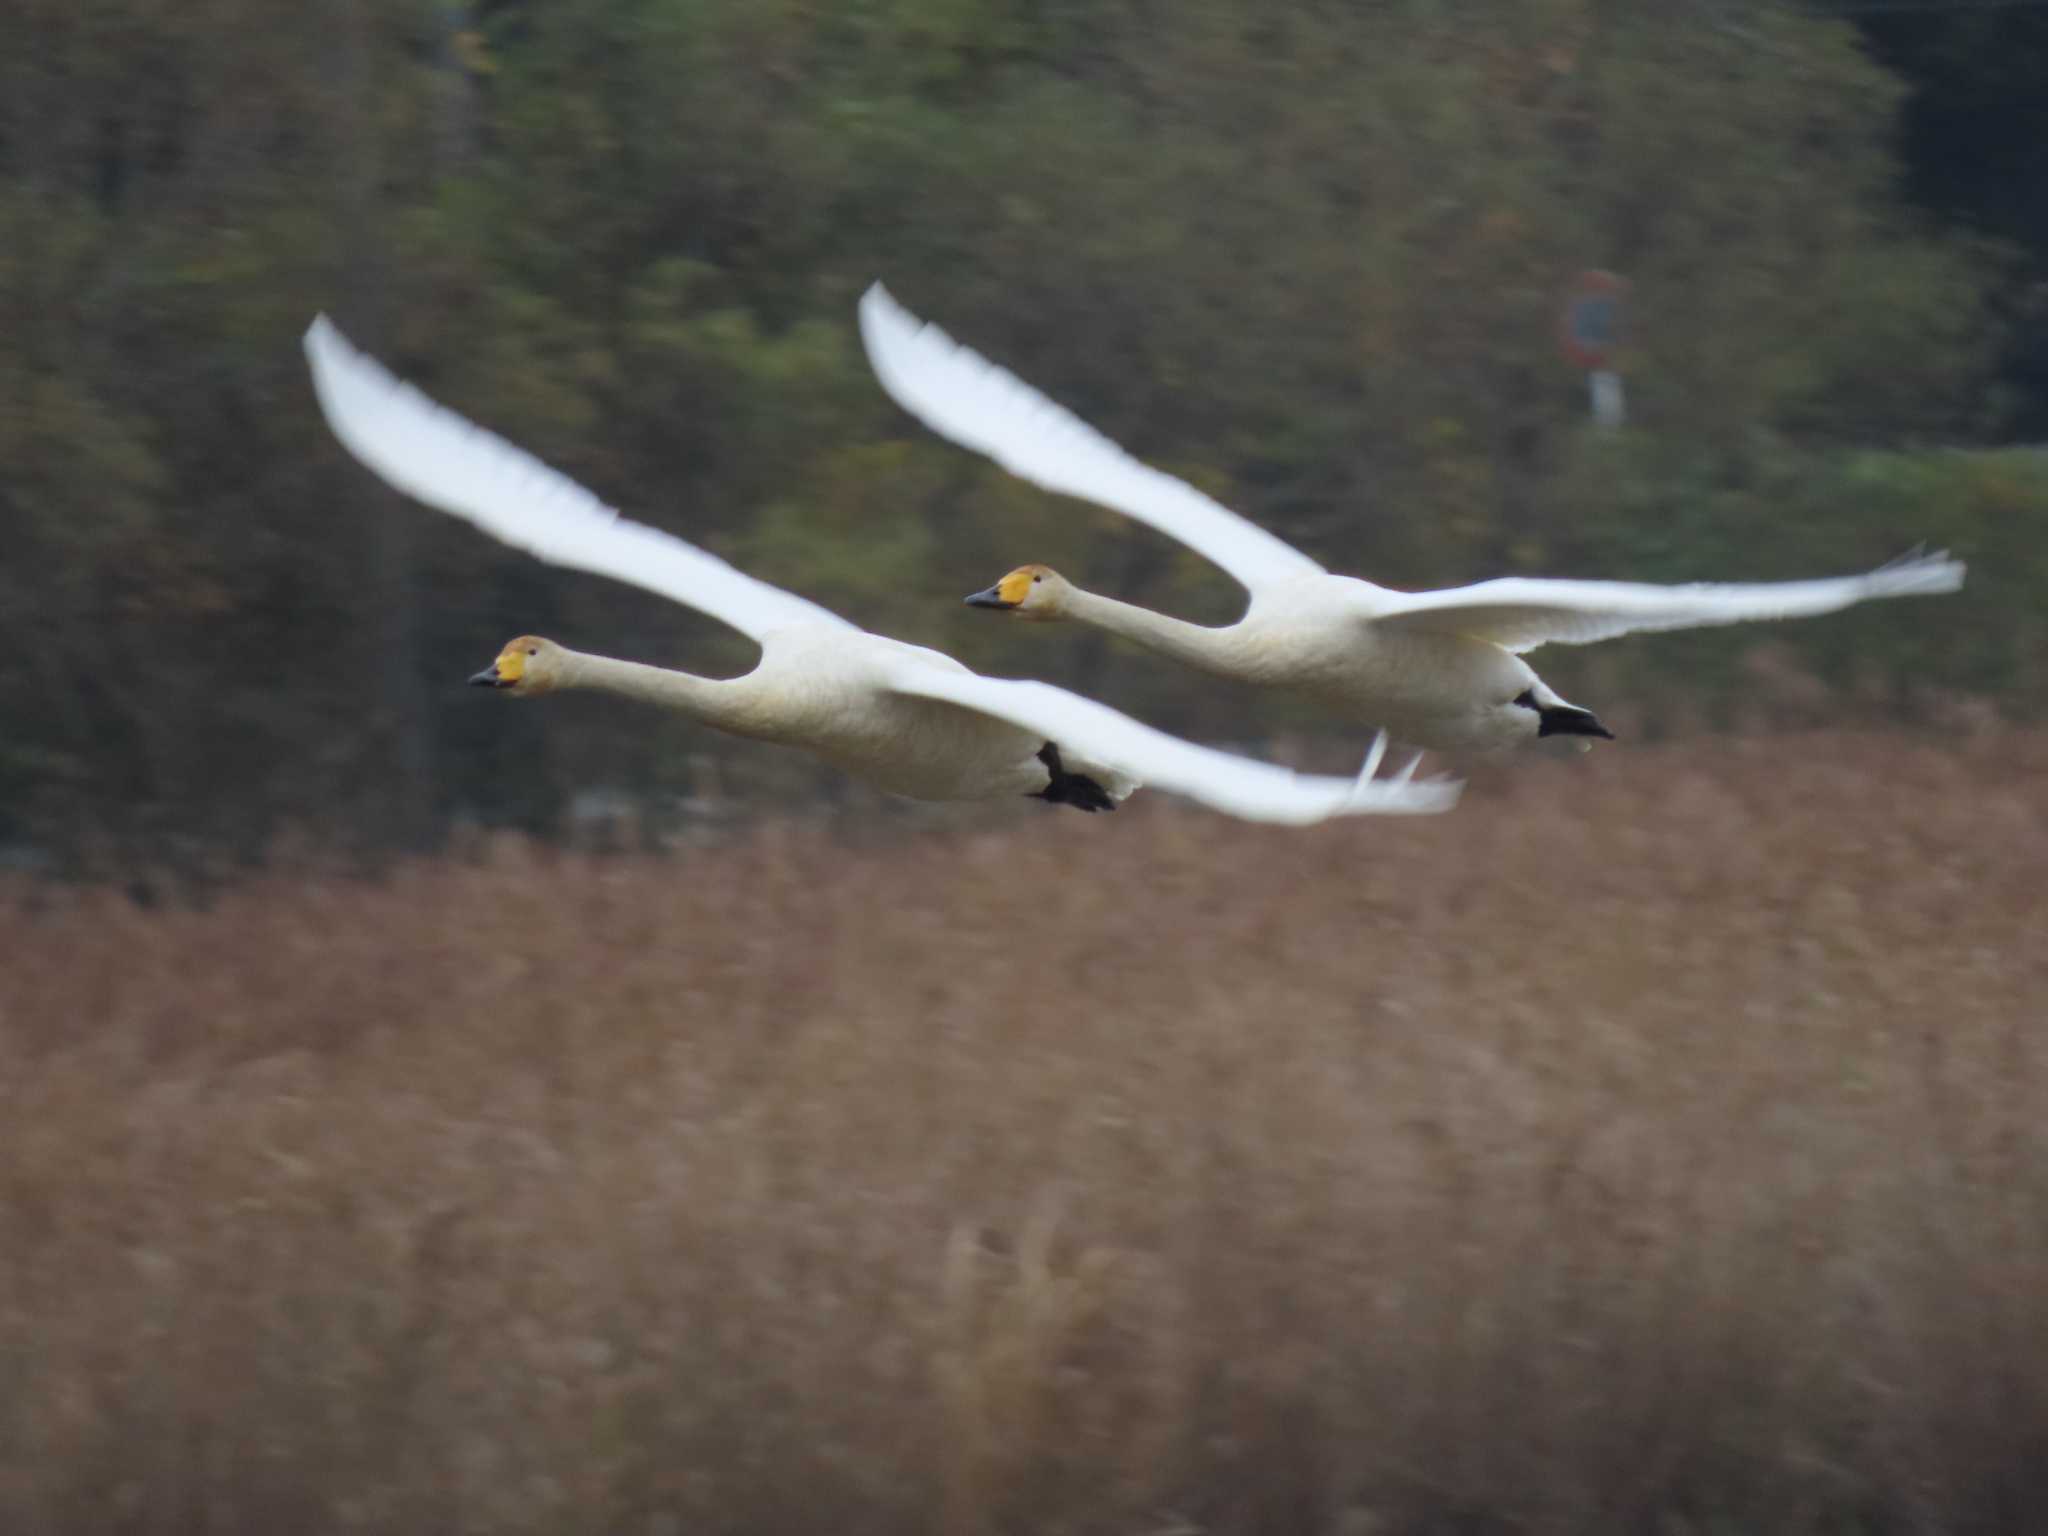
(907, 719)
(1441, 670)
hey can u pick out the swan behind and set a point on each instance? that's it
(1438, 669)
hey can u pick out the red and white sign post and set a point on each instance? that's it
(1590, 333)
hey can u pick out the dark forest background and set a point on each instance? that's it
(1310, 256)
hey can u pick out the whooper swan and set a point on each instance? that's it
(904, 718)
(1439, 669)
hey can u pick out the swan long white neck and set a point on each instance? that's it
(715, 701)
(1212, 650)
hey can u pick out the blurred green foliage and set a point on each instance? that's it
(1310, 258)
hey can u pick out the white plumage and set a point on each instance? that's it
(1440, 669)
(435, 456)
(905, 718)
(961, 395)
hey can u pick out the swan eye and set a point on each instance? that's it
(533, 650)
(1036, 580)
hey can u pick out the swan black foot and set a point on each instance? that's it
(1075, 789)
(1563, 719)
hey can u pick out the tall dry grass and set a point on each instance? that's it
(1657, 1144)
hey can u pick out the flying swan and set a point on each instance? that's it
(1440, 670)
(904, 718)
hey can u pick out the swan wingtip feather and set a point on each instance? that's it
(1432, 797)
(1377, 751)
(1402, 794)
(1920, 570)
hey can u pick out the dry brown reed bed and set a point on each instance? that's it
(1657, 1144)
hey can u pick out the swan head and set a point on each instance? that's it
(526, 666)
(1028, 592)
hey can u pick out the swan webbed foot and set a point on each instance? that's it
(1075, 789)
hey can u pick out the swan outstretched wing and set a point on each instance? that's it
(1255, 791)
(961, 395)
(1522, 613)
(429, 452)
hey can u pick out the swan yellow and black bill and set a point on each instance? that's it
(505, 672)
(1007, 593)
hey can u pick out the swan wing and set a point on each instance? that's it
(1521, 613)
(431, 453)
(961, 395)
(1252, 790)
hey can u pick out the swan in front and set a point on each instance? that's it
(1441, 670)
(906, 719)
